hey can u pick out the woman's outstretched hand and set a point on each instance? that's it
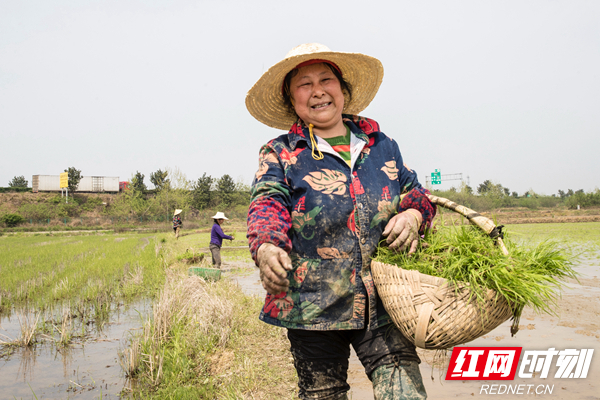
(273, 263)
(402, 230)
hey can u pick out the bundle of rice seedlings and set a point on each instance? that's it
(528, 276)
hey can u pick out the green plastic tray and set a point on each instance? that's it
(206, 273)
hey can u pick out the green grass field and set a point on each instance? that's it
(581, 232)
(582, 238)
(39, 271)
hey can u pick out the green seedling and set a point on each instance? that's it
(531, 275)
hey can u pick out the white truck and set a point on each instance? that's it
(90, 184)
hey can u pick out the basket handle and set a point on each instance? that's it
(484, 223)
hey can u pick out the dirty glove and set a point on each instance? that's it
(273, 263)
(402, 230)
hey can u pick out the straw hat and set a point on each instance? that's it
(265, 101)
(219, 215)
(178, 211)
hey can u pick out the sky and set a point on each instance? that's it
(506, 91)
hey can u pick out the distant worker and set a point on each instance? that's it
(177, 223)
(216, 238)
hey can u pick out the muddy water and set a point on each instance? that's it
(87, 370)
(576, 326)
(545, 333)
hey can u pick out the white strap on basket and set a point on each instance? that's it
(425, 309)
(422, 324)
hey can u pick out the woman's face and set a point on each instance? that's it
(220, 221)
(317, 96)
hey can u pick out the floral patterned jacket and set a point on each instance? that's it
(329, 218)
(176, 221)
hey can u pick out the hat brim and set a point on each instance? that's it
(265, 101)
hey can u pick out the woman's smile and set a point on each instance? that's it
(321, 105)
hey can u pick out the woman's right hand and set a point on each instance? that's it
(273, 263)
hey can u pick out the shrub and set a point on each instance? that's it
(91, 203)
(38, 211)
(549, 201)
(241, 211)
(12, 220)
(477, 203)
(68, 210)
(529, 202)
(14, 189)
(56, 199)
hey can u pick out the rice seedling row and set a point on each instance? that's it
(70, 285)
(38, 272)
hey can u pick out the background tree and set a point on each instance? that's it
(226, 189)
(74, 178)
(485, 187)
(580, 198)
(493, 190)
(18, 182)
(178, 179)
(201, 192)
(159, 179)
(137, 183)
(242, 192)
(174, 194)
(466, 189)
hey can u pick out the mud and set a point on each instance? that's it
(88, 369)
(576, 325)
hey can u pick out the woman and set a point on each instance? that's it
(177, 223)
(324, 195)
(216, 238)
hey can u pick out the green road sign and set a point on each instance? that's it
(436, 177)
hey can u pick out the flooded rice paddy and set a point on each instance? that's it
(87, 366)
(68, 304)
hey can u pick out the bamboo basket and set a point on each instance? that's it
(431, 312)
